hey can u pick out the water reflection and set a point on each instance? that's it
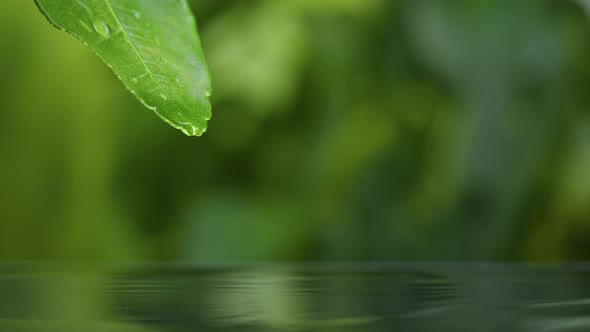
(295, 298)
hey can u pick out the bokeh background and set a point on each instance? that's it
(343, 130)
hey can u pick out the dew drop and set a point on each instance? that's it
(195, 131)
(102, 29)
(163, 96)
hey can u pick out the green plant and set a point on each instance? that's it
(153, 47)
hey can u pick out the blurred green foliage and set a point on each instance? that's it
(343, 130)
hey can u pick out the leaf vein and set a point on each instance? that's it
(136, 51)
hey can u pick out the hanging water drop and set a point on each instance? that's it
(102, 29)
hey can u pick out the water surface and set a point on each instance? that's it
(370, 297)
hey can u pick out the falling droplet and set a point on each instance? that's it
(163, 96)
(102, 29)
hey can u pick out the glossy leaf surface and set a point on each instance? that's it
(152, 46)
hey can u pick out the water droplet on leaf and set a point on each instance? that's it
(102, 29)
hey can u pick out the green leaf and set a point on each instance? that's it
(153, 47)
